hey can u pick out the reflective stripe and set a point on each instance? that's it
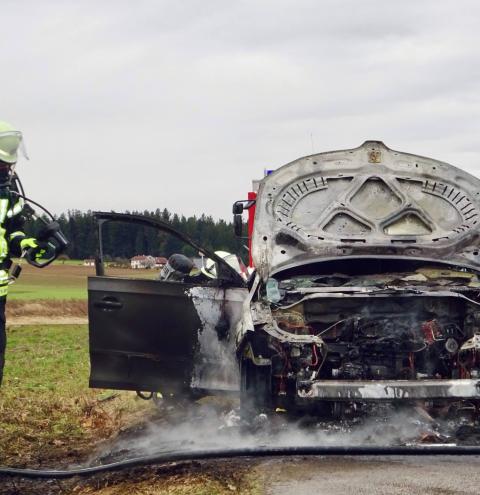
(3, 244)
(3, 210)
(3, 241)
(16, 209)
(16, 234)
(3, 283)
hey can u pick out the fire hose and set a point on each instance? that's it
(263, 451)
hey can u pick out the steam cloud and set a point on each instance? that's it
(206, 426)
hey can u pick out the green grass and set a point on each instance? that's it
(56, 281)
(45, 402)
(63, 281)
(41, 358)
(40, 291)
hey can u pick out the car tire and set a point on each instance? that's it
(255, 389)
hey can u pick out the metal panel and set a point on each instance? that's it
(389, 390)
(370, 200)
(143, 334)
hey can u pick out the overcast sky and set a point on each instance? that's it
(180, 104)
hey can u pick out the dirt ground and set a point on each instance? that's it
(47, 312)
(46, 308)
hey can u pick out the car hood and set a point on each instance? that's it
(369, 200)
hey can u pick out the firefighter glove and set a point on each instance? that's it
(44, 250)
(28, 242)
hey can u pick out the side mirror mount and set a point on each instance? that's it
(238, 224)
(238, 208)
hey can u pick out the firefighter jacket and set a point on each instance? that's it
(11, 233)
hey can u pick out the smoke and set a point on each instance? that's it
(208, 426)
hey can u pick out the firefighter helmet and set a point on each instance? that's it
(10, 143)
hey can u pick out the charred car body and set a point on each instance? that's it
(365, 289)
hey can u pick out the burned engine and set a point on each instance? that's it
(380, 339)
(363, 336)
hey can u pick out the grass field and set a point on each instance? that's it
(63, 280)
(45, 402)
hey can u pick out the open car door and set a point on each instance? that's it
(163, 336)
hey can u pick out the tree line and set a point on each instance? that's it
(124, 240)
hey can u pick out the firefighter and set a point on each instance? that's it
(13, 240)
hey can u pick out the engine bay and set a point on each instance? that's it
(418, 325)
(379, 338)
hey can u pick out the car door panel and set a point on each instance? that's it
(161, 335)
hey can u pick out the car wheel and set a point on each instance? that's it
(255, 389)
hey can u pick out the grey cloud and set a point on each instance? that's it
(181, 104)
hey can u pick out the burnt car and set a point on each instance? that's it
(365, 289)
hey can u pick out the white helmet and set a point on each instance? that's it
(209, 267)
(11, 141)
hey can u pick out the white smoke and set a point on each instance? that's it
(207, 426)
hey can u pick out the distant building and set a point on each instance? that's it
(89, 262)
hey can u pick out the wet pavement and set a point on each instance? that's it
(361, 475)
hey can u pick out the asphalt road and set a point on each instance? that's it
(372, 476)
